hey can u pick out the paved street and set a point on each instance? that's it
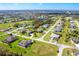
(51, 28)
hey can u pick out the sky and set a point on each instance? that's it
(33, 6)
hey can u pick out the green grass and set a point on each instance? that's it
(5, 50)
(42, 49)
(3, 37)
(1, 33)
(6, 25)
(38, 35)
(68, 52)
(47, 37)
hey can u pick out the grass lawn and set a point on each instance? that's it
(2, 33)
(6, 25)
(47, 37)
(68, 52)
(3, 37)
(42, 49)
(38, 35)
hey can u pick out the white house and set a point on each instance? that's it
(54, 36)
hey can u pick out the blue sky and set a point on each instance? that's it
(25, 6)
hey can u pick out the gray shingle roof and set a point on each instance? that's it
(25, 43)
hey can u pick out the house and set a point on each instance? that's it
(72, 24)
(10, 39)
(71, 21)
(1, 21)
(58, 29)
(23, 31)
(68, 17)
(42, 17)
(77, 54)
(75, 40)
(53, 36)
(46, 25)
(25, 43)
(30, 33)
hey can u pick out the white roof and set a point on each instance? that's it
(54, 36)
(77, 45)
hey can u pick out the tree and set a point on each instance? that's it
(16, 25)
(23, 32)
(37, 23)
